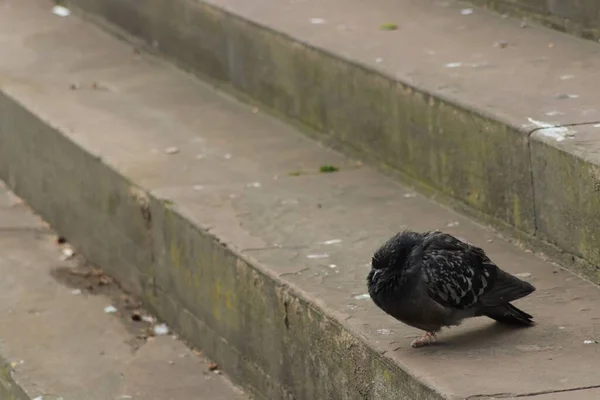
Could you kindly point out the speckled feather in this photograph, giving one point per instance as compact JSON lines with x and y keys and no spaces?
{"x":433,"y":279}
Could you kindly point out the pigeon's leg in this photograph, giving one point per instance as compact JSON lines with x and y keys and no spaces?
{"x":426,"y":339}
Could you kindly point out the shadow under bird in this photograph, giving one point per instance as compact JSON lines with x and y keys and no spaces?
{"x":432,"y":280}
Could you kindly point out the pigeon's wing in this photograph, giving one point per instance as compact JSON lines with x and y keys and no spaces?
{"x":460,"y":275}
{"x":457,"y":279}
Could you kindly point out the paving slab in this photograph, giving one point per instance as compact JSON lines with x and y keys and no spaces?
{"x":57,"y":341}
{"x":217,"y":216}
{"x":448,"y":97}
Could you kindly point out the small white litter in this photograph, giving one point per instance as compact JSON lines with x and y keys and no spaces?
{"x":171,"y":150}
{"x":61,"y":12}
{"x":317,"y":256}
{"x":362,"y":296}
{"x":67,"y":253}
{"x":317,"y":21}
{"x":161,"y":329}
{"x":110,"y":309}
{"x":333,"y":241}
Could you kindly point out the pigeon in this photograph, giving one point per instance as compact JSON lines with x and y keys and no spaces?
{"x":432,"y":280}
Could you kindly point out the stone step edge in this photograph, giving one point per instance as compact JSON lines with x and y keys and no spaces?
{"x":519,"y":222}
{"x":293,"y":317}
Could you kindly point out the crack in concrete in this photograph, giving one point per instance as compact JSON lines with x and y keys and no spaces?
{"x":295,"y":272}
{"x":507,"y":395}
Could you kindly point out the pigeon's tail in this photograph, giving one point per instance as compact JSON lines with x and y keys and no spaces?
{"x":509,"y":314}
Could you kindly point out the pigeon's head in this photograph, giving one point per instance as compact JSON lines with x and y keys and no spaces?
{"x":395,"y":254}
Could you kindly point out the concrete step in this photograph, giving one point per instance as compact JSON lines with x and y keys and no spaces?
{"x":58,"y":343}
{"x":497,"y":120}
{"x":575,"y":17}
{"x":218,"y":216}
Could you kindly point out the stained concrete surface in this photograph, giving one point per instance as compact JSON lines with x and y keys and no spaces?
{"x":253,"y":182}
{"x":61,"y":343}
{"x":450,"y":99}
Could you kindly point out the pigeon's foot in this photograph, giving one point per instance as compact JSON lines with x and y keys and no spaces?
{"x":427,"y":339}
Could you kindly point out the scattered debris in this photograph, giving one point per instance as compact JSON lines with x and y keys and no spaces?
{"x":213,"y":367}
{"x":466,"y":11}
{"x":136,"y":316}
{"x":590,"y":342}
{"x":554,"y":113}
{"x":409,"y":195}
{"x":523,"y":275}
{"x":110,"y":309}
{"x":317,"y":21}
{"x":326,"y":169}
{"x":317,"y":256}
{"x":501,"y":44}
{"x":453,"y":224}
{"x":171,"y":150}
{"x":61,"y":11}
{"x":332,"y":266}
{"x":362,"y":296}
{"x":104,"y":280}
{"x":76,"y":291}
{"x":148,"y":318}
{"x":67,"y":253}
{"x":384,"y":331}
{"x":333,"y":241}
{"x":388,"y":27}
{"x":254,"y":184}
{"x":61,"y":240}
{"x":160,"y":330}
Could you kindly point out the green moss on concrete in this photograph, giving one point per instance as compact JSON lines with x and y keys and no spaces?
{"x":568,"y":204}
{"x":247,"y":319}
{"x":9,"y":389}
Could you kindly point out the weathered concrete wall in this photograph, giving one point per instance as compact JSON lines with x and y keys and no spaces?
{"x":578,"y":17}
{"x":567,"y":187}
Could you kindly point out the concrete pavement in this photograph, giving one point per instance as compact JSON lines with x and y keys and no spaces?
{"x":57,"y":341}
{"x":218,"y":216}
